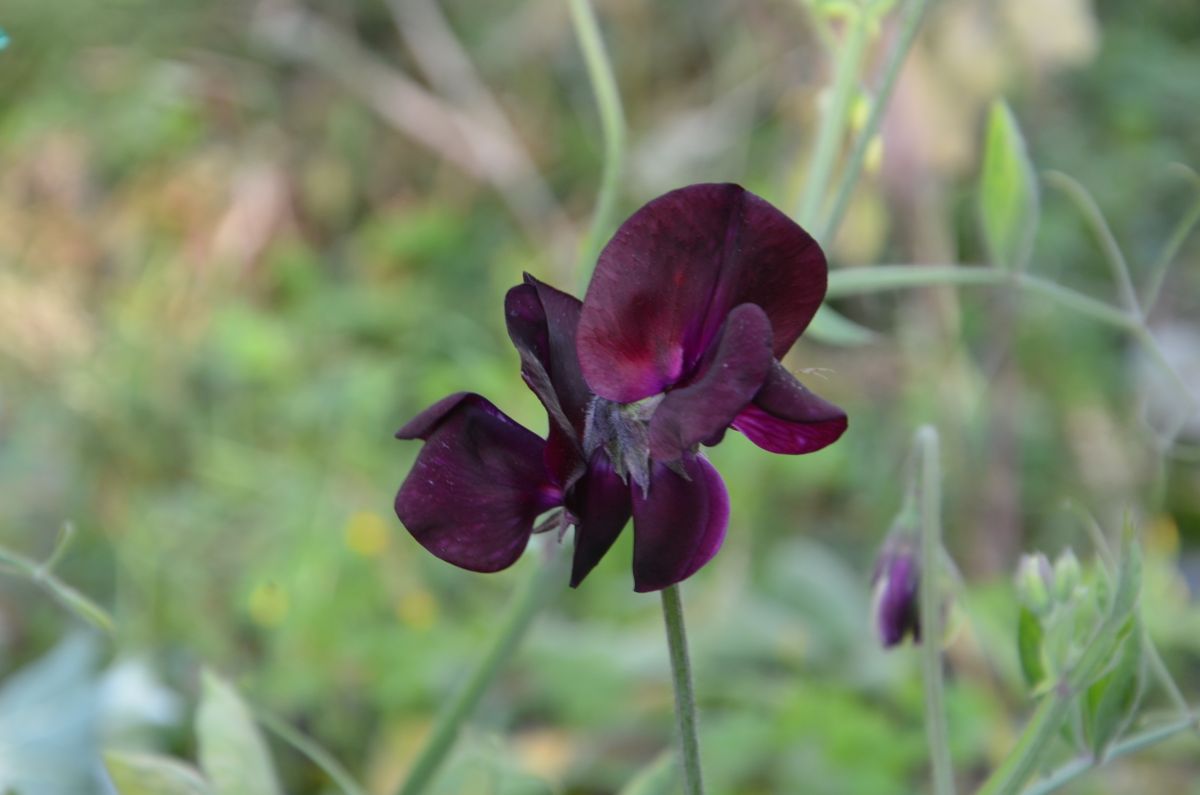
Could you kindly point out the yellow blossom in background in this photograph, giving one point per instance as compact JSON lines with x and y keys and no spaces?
{"x":269,"y":604}
{"x":367,"y":534}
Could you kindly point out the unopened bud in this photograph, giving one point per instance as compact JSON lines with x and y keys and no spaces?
{"x":1067,"y":575}
{"x":897,"y":582}
{"x":1034,"y":582}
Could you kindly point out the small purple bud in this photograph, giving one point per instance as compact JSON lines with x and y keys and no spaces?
{"x":897,"y":581}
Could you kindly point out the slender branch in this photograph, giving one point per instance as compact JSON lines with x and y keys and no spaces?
{"x":312,"y":750}
{"x":612,"y":128}
{"x":914,"y":15}
{"x":1158,"y":271}
{"x":526,"y":604}
{"x":833,"y":121}
{"x":1134,"y":743}
{"x":685,"y":698}
{"x":1108,"y":243}
{"x":857,"y":281}
{"x":931,"y":610}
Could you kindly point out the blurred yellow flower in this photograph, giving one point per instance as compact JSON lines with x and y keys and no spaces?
{"x":367,"y":534}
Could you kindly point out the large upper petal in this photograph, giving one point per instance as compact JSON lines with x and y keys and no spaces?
{"x":671,"y":274}
{"x":788,"y":417}
{"x":731,"y":375}
{"x":679,"y":524}
{"x":477,"y":485}
{"x":600,"y":503}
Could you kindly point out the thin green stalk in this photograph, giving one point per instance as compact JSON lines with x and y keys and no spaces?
{"x":1108,"y":243}
{"x":612,"y":128}
{"x":685,"y":697}
{"x":833,"y":121}
{"x":915,"y":14}
{"x":1077,"y":767}
{"x":1158,"y":271}
{"x":857,"y":281}
{"x":526,"y":604}
{"x":931,"y":610}
{"x":311,"y":749}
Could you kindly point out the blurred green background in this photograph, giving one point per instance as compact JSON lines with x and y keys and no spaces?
{"x":242,"y":242}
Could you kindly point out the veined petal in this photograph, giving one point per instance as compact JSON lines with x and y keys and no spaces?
{"x":787,"y":417}
{"x":679,"y":524}
{"x":739,"y":360}
{"x":671,"y":274}
{"x":541,"y":324}
{"x":601,"y":504}
{"x":477,"y":485}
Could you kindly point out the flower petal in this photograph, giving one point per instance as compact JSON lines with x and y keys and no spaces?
{"x":787,"y":417}
{"x":601,"y":505}
{"x":738,"y":363}
{"x":541,"y":324}
{"x":897,"y":611}
{"x":671,"y":274}
{"x":477,"y":485}
{"x":679,"y":524}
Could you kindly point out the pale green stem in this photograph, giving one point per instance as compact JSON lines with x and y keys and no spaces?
{"x":858,"y":281}
{"x":612,"y":128}
{"x":1077,"y":767}
{"x":311,"y":749}
{"x":526,"y":604}
{"x":685,"y":697}
{"x":1158,"y":271}
{"x":931,"y":610}
{"x":42,"y":576}
{"x":1108,"y":243}
{"x":915,"y":14}
{"x":833,"y":121}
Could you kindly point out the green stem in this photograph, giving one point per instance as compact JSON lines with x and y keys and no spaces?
{"x":859,"y":281}
{"x":612,"y":128}
{"x":833,"y":121}
{"x":1076,"y":768}
{"x":891,"y":70}
{"x":528,"y":601}
{"x":931,"y":610}
{"x":685,"y":698}
{"x":311,"y":749}
{"x":1108,"y":243}
{"x":1158,"y":271}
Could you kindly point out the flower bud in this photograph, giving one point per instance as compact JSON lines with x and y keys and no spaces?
{"x":1067,"y":575}
{"x":897,"y":581}
{"x":1034,"y":582}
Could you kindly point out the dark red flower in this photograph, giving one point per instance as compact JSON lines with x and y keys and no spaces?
{"x":692,"y":302}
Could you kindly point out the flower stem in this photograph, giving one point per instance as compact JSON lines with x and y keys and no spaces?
{"x":1077,"y":767}
{"x":833,"y":121}
{"x":908,"y":33}
{"x":526,"y":604}
{"x":685,"y":698}
{"x":931,"y":610}
{"x":612,"y":128}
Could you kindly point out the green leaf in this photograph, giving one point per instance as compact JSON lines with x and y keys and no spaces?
{"x":1110,"y":702}
{"x":1029,"y":648}
{"x":233,"y":753}
{"x":1008,"y":192}
{"x":147,"y":774}
{"x":656,"y":778}
{"x":832,"y":328}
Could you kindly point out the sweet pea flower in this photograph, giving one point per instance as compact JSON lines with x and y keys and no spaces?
{"x":678,"y":338}
{"x":897,"y":581}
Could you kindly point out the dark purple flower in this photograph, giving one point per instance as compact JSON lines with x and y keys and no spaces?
{"x":897,"y":582}
{"x":692,"y":302}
